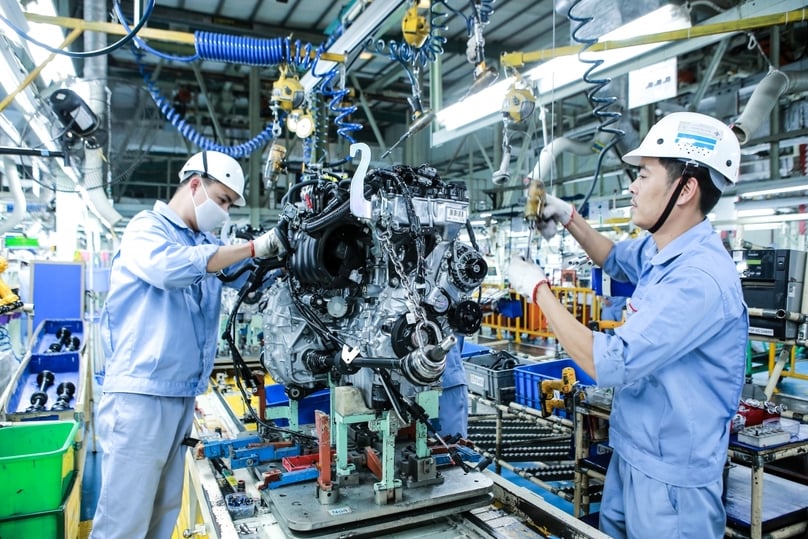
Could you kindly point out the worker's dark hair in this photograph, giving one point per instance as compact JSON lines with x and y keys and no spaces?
{"x":207,"y":179}
{"x":709,"y":192}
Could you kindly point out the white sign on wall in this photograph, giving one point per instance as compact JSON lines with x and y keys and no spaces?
{"x":653,"y":83}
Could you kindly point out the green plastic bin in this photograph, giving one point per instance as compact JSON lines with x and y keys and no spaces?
{"x":62,"y":522}
{"x":37,"y":464}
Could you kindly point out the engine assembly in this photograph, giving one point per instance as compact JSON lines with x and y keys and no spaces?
{"x":384,"y":292}
{"x":376,"y":284}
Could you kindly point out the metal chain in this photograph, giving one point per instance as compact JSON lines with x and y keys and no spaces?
{"x":752,"y":44}
{"x":413,"y":297}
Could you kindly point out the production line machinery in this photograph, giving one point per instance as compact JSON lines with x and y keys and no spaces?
{"x":365,"y":302}
{"x":375,"y":283}
{"x":773,"y":283}
{"x":230,"y":478}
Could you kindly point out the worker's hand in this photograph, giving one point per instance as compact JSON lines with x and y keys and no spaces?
{"x":269,"y":244}
{"x":525,"y":276}
{"x":557,"y":210}
{"x":547,"y":229}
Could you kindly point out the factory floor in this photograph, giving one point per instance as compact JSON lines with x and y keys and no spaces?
{"x":790,"y":390}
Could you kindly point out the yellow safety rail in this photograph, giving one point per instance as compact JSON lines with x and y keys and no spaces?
{"x":582,"y":303}
{"x":519,"y":59}
{"x":791,"y":370}
{"x":169,"y":36}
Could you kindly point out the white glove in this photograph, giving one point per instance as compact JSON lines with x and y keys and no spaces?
{"x":557,"y":210}
{"x":269,"y":244}
{"x":524,"y":277}
{"x":547,"y":229}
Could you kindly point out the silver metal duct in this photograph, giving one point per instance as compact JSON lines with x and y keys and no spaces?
{"x":96,"y":171}
{"x":20,"y":205}
{"x":764,"y":98}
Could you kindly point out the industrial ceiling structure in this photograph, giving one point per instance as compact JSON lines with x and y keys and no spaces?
{"x":490,"y":88}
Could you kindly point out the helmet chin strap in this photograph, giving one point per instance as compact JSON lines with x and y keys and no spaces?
{"x":669,"y":208}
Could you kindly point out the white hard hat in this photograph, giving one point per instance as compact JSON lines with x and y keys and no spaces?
{"x":691,"y":136}
{"x":216,"y":166}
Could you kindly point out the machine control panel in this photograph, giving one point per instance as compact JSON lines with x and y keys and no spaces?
{"x":772,"y":279}
{"x":768,"y":264}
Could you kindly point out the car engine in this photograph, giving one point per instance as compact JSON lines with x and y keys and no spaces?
{"x":376,"y":283}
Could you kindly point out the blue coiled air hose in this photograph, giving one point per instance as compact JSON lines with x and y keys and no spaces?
{"x":186,"y":130}
{"x":600,"y":103}
{"x":331,"y":89}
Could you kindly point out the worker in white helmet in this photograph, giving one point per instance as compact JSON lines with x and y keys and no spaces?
{"x":677,"y":363}
{"x":160,"y":327}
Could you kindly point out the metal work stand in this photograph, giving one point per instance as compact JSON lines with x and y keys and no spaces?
{"x":756,"y":458}
{"x":583,"y":470}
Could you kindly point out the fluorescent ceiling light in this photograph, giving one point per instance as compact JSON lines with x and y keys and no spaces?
{"x":755,"y":212}
{"x":775,"y":191}
{"x":664,"y":19}
{"x":362,"y":26}
{"x":477,"y":105}
{"x":10,"y":78}
{"x":8,"y":128}
{"x":762,"y":226}
{"x":61,"y":66}
{"x":560,"y":71}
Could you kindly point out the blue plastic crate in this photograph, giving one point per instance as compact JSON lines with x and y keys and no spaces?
{"x":473,"y":349}
{"x":528,"y":379}
{"x":319,"y":400}
{"x":614,"y":288}
{"x":65,"y":368}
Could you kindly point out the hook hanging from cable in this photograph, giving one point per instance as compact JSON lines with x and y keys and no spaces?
{"x":484,"y":75}
{"x":518,"y":106}
{"x":753,"y":43}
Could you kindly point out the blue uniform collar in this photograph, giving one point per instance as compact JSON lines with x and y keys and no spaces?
{"x":165,"y":210}
{"x":693,"y":236}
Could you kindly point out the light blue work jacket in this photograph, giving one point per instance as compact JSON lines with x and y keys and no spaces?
{"x":455,"y":373}
{"x":677,"y":364}
{"x":160,"y":323}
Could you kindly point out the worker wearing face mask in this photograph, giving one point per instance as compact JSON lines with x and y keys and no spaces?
{"x":677,"y":363}
{"x":160,"y":327}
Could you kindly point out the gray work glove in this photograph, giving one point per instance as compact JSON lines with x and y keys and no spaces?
{"x":269,"y":244}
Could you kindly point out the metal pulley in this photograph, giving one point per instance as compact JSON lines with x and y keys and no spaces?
{"x":300,"y":122}
{"x":519,"y":102}
{"x":415,"y":25}
{"x":287,"y":92}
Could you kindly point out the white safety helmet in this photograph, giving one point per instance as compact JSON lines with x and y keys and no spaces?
{"x":691,"y":136}
{"x":216,"y":166}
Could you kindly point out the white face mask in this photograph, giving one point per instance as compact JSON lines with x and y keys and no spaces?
{"x":209,"y":215}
